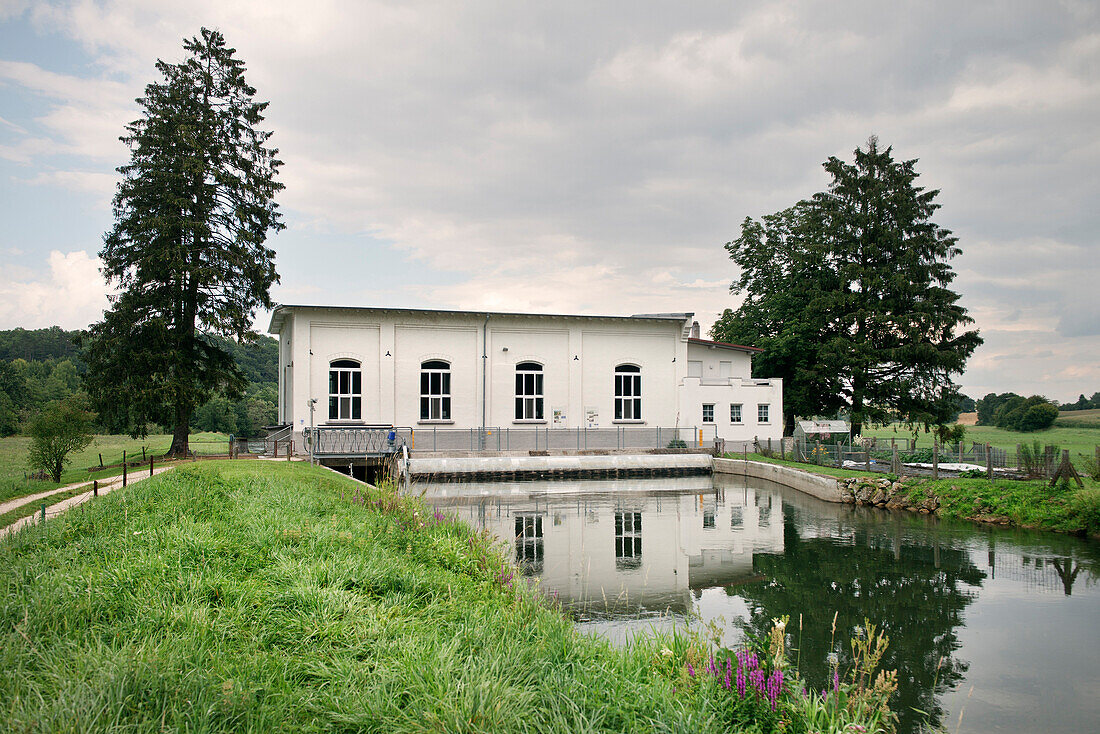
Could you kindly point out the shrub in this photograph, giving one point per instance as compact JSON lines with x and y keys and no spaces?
{"x":1084,"y":507}
{"x":1030,"y":414}
{"x":1038,"y":417}
{"x":677,"y":443}
{"x":1035,"y":459}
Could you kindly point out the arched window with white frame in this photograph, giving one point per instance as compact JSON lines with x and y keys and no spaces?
{"x":529,"y":394}
{"x":345,"y":390}
{"x":435,"y":390}
{"x":628,"y":392}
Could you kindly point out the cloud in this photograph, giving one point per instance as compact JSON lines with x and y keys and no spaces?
{"x":86,"y":181}
{"x":576,"y":158}
{"x":71,"y":296}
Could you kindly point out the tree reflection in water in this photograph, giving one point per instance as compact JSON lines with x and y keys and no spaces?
{"x":915,"y":593}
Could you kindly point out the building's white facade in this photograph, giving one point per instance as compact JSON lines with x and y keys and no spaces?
{"x":463,"y":369}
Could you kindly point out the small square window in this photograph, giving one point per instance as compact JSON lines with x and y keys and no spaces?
{"x":735,"y":412}
{"x":762,"y":412}
{"x":708,"y":412}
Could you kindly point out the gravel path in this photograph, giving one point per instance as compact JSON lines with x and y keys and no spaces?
{"x":105,"y":486}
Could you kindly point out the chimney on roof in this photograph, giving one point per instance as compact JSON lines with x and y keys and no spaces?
{"x":694,"y":329}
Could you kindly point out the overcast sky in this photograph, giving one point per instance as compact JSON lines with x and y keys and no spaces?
{"x":585,"y":157}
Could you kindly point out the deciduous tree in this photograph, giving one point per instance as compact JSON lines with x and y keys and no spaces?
{"x":63,"y":428}
{"x":192,"y":215}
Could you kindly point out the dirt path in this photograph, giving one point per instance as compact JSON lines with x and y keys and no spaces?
{"x":105,"y":486}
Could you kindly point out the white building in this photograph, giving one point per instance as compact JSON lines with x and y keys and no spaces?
{"x":469,"y":369}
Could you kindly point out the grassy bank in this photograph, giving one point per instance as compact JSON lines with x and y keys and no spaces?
{"x":14,"y":450}
{"x":1035,"y":504}
{"x":1032,"y":504}
{"x":234,"y":596}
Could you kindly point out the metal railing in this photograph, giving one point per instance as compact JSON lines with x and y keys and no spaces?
{"x":347,"y":442}
{"x":537,"y":438}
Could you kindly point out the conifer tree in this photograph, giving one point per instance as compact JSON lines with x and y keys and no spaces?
{"x":187,"y":250}
{"x":850,"y":291}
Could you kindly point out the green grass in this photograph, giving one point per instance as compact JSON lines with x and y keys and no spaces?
{"x":1079,"y":441}
{"x":1089,"y":419}
{"x":261,"y":596}
{"x":14,"y":451}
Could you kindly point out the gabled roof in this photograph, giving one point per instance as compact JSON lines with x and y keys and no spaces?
{"x":724,"y":345}
{"x":278,"y":315}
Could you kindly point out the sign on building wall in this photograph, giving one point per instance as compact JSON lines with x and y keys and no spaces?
{"x":559,"y":417}
{"x":592,"y":417}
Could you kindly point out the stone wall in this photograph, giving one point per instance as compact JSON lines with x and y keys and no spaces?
{"x":882,"y":492}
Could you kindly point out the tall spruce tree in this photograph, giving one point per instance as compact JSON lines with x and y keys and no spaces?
{"x":850,"y":293}
{"x":187,"y":250}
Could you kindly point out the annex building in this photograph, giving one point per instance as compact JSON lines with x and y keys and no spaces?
{"x":439,"y":370}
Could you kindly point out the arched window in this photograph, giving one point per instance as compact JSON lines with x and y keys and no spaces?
{"x":435,"y":390}
{"x":528,"y":391}
{"x":345,"y":390}
{"x":628,"y":393}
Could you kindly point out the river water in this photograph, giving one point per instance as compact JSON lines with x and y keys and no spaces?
{"x":998,"y":626}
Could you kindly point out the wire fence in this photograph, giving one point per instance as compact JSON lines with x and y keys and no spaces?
{"x":1028,"y":461}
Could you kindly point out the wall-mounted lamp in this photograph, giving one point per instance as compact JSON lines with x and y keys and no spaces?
{"x":504,"y":349}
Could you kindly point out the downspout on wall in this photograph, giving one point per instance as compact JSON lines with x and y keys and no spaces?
{"x":484,"y":371}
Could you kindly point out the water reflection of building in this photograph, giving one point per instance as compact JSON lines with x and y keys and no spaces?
{"x":617,"y":546}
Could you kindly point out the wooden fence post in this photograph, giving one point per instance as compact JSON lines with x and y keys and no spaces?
{"x":988,"y":463}
{"x":895,"y":465}
{"x":143,"y":457}
{"x":866,"y":458}
{"x":124,"y":467}
{"x":101,"y":461}
{"x":95,"y":487}
{"x":935,"y":459}
{"x":150,"y":466}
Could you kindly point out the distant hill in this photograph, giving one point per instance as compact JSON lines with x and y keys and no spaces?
{"x":36,"y":345}
{"x":1078,"y":419}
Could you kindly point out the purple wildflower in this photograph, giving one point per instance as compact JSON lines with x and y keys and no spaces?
{"x":836,"y":682}
{"x":691,"y":671}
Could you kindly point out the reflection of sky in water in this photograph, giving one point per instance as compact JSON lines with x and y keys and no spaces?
{"x":629,"y":556}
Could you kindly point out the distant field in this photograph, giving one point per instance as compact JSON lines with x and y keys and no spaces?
{"x":1078,"y":419}
{"x":14,"y":449}
{"x":1077,"y":440}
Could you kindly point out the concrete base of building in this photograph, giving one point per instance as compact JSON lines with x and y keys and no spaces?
{"x":561,"y":466}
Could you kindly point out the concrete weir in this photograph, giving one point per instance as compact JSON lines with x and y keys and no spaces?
{"x":820,"y":486}
{"x":610,"y":466}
